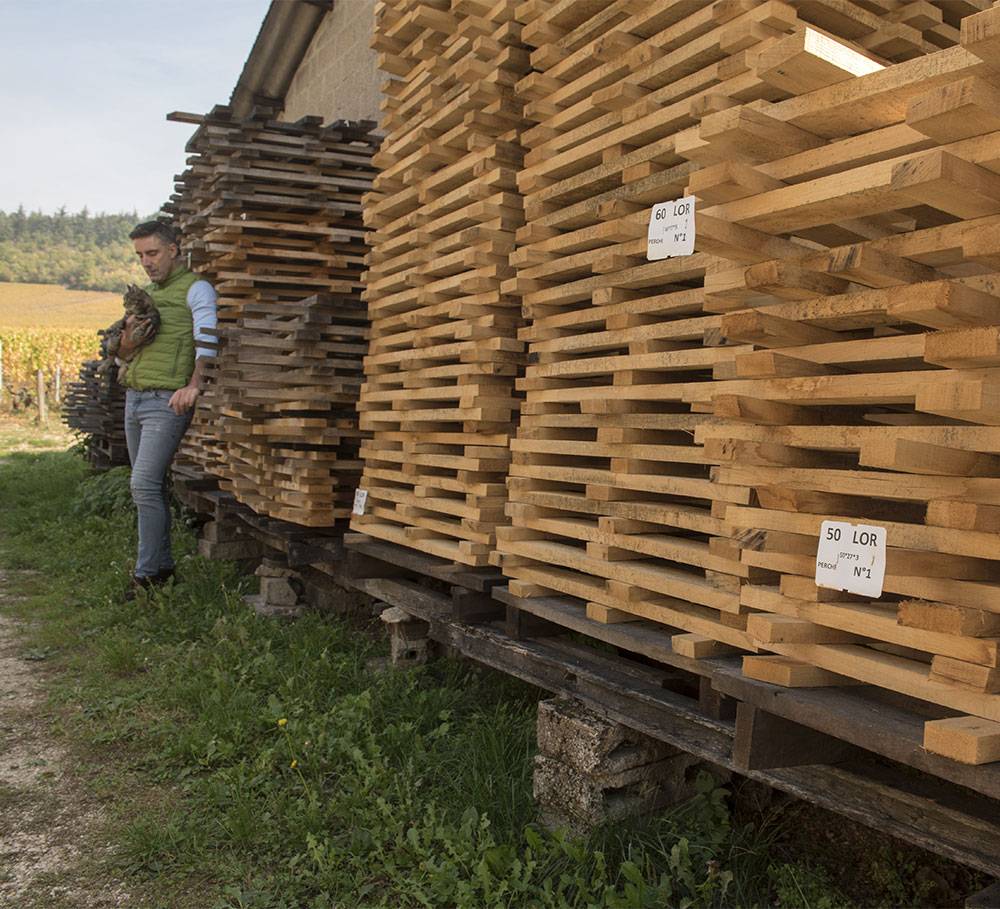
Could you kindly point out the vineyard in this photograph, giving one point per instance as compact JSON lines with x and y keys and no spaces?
{"x":26,"y":351}
{"x":50,"y":328}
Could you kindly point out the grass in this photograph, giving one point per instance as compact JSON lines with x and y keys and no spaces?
{"x":257,"y":763}
{"x":50,"y":307}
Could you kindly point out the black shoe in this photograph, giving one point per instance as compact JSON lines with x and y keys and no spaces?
{"x":147,"y":583}
{"x":135,"y":583}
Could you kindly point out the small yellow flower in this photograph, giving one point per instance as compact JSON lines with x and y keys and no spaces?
{"x":294,"y":764}
{"x":282,"y":721}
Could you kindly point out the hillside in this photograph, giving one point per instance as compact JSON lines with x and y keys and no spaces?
{"x":77,"y":251}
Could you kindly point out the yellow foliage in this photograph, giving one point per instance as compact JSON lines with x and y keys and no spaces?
{"x":45,"y":326}
{"x":24,"y":352}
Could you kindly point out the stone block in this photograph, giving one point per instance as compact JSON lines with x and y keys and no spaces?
{"x":278,"y":591}
{"x":256,"y":602}
{"x":591,"y":769}
{"x":272,"y":568}
{"x":408,"y":642}
{"x":567,"y":797}
{"x":580,"y":738}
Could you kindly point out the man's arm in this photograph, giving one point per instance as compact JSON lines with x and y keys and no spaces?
{"x":201,"y":301}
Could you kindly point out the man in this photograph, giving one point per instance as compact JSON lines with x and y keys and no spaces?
{"x":163,"y":379}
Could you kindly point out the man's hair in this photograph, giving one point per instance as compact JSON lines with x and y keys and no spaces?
{"x":160,"y":229}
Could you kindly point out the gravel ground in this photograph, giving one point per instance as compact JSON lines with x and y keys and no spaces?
{"x":52,"y":845}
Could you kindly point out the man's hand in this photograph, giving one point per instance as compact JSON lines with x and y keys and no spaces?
{"x":135,"y":334}
{"x":182,"y":400}
{"x":126,"y":346}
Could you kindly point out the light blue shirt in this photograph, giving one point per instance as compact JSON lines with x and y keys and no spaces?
{"x":201,"y":299}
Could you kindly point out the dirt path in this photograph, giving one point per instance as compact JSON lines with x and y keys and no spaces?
{"x":51,"y":843}
{"x":20,"y":432}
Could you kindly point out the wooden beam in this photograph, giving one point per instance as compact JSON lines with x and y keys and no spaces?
{"x":763,"y":740}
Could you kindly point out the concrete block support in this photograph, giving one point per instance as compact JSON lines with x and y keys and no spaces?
{"x":219,"y":532}
{"x":278,"y":592}
{"x":227,"y":540}
{"x":280,"y":589}
{"x":590,"y":769}
{"x":409,"y":644}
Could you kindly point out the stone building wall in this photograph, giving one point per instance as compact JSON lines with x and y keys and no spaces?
{"x":339,"y":78}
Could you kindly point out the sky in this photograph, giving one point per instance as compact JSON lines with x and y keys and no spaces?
{"x":85,"y":87}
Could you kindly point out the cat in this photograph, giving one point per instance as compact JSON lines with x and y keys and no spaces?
{"x":146,"y":324}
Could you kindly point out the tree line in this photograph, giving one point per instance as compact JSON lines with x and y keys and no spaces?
{"x":80,"y":251}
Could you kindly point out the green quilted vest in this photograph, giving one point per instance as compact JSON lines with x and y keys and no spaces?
{"x":168,"y":360}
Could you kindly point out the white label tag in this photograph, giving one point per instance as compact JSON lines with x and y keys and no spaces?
{"x":360,"y":497}
{"x":671,"y":229}
{"x":851,"y":557}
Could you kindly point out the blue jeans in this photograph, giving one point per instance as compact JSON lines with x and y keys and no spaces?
{"x":153,"y":432}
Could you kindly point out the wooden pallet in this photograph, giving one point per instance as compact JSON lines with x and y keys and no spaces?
{"x":400,"y":576}
{"x":863,"y":716}
{"x":855,"y":751}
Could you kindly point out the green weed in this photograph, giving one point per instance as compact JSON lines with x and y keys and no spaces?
{"x":104,"y":494}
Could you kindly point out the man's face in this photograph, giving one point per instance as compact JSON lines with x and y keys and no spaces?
{"x":159,"y":259}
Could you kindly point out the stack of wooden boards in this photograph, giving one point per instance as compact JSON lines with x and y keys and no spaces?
{"x":439,"y":397}
{"x":94,"y":408}
{"x":287,"y":383}
{"x":868,"y":397}
{"x":272,"y":214}
{"x":829,"y":351}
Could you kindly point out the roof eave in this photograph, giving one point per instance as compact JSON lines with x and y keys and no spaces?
{"x":284,"y":36}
